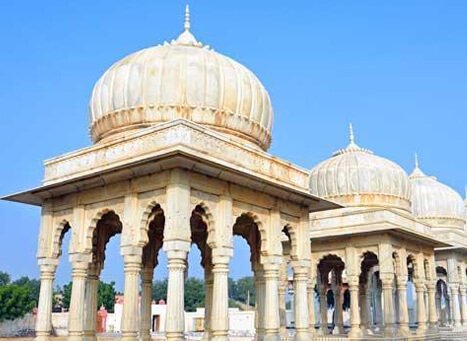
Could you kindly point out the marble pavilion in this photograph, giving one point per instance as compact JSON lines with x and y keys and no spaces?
{"x":179,"y":157}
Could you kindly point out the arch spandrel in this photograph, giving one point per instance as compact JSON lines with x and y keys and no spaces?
{"x":92,"y":217}
{"x":210,"y":205}
{"x":147,"y":202}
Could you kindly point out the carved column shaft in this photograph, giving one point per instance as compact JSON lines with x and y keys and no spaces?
{"x":44,"y":311}
{"x":454,"y":289}
{"x":76,"y":313}
{"x":271,"y":304}
{"x":132,"y":267}
{"x":301,"y":303}
{"x":220,"y":301}
{"x":146,"y":302}
{"x":403,"y":307}
{"x":92,"y":287}
{"x":463,"y":293}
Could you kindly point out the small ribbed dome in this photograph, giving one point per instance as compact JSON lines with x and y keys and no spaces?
{"x":434,"y":202}
{"x":356,"y":177}
{"x":181,"y":79}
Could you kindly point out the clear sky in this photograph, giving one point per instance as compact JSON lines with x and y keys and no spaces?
{"x":397,"y":69}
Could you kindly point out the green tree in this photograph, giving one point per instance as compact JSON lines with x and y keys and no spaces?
{"x":33,"y":285}
{"x":159,"y":290}
{"x":245,"y":286}
{"x":4,"y":278}
{"x":194,"y":294}
{"x":106,"y":296}
{"x":14,"y":301}
{"x":67,"y":295}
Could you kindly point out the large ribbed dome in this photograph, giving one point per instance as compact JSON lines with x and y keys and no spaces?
{"x":434,"y":202}
{"x":181,"y":79}
{"x":356,"y":177}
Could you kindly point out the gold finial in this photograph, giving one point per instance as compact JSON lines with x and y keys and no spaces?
{"x":187,"y":23}
{"x":351,"y":134}
{"x":416,"y":161}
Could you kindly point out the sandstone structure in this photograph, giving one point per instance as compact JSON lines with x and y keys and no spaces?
{"x":180,"y":136}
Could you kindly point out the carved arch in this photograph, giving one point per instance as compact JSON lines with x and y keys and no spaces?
{"x":263,"y":239}
{"x":59,"y":233}
{"x":152,"y":209}
{"x":91,"y":227}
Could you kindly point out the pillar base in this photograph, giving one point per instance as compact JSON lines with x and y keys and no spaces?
{"x":174,"y":336}
{"x":89,"y":336}
{"x":272,"y":337}
{"x":355,"y":332}
{"x":302,"y":336}
{"x":42,"y":336}
{"x":129,"y":337}
{"x":73,"y":336}
{"x":145,"y":336}
{"x":220,"y":338}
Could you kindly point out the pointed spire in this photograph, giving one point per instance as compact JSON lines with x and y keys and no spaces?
{"x":352,"y":146}
{"x":351,"y":134}
{"x":186,"y":37}
{"x":417,"y":172}
{"x":187,"y":24}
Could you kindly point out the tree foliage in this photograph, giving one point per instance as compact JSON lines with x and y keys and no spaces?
{"x":105,"y":295}
{"x":194,"y":294}
{"x":4,"y":278}
{"x":15,"y":301}
{"x":240,"y":289}
{"x":159,"y":290}
{"x":33,"y":285}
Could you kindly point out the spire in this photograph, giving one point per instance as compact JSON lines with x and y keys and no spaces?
{"x":187,"y":24}
{"x":187,"y":38}
{"x":417,"y":172}
{"x":352,"y":146}
{"x":351,"y":134}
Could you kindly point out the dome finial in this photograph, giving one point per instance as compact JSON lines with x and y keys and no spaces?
{"x":187,"y":23}
{"x":187,"y":38}
{"x":417,"y":164}
{"x":351,"y":134}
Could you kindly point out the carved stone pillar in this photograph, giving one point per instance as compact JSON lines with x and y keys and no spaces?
{"x":323,"y":308}
{"x":338,"y":313}
{"x":271,"y":303}
{"x":367,"y":303}
{"x":76,"y":313}
{"x":146,"y":303}
{"x":44,"y":311}
{"x":432,"y":313}
{"x":282,"y":300}
{"x":260,"y":289}
{"x":355,"y":330}
{"x":311,"y":305}
{"x":208,"y":280}
{"x":175,"y":318}
{"x":454,"y":290}
{"x":132,"y":267}
{"x":90,"y":314}
{"x":403,"y":307}
{"x":387,"y":281}
{"x":421,"y":311}
{"x":220,"y":300}
{"x":302,"y":323}
{"x":463,"y":292}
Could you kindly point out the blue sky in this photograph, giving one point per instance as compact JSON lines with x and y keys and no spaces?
{"x":397,"y":69}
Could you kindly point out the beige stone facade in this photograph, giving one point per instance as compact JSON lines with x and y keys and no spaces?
{"x":180,"y":158}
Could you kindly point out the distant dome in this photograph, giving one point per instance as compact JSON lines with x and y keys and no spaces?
{"x":356,"y":177}
{"x":181,"y":79}
{"x":434,"y":202}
